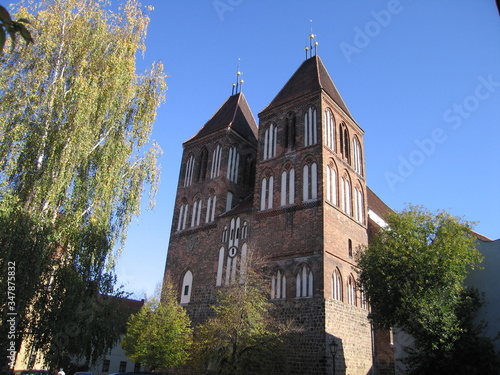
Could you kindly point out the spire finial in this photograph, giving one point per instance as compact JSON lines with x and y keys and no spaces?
{"x":312,"y":49}
{"x":237,"y":85}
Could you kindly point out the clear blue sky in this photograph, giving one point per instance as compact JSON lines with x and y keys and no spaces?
{"x":422,"y":78}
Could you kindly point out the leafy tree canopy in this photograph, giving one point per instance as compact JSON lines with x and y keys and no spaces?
{"x":75,"y":160}
{"x":160,"y":334}
{"x":413,"y":274}
{"x":244,"y":336}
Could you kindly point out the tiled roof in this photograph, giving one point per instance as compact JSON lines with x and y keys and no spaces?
{"x":376,"y":204}
{"x":311,"y":76}
{"x":234,"y":114}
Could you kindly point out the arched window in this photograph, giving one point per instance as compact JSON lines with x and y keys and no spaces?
{"x":211,"y":202}
{"x":304,"y":283}
{"x":183,"y":212}
{"x":187,"y":284}
{"x":244,"y":230}
{"x":337,"y":289}
{"x":364,"y":301}
{"x":234,"y":232}
{"x":310,"y":127}
{"x":331,"y":184}
{"x":329,"y":130}
{"x":188,"y":173}
{"x":288,"y":187}
{"x":224,"y":234}
{"x":229,"y":201}
{"x":196,"y":216}
{"x":351,"y":291}
{"x":359,"y":206}
{"x":310,"y":182}
{"x":233,"y":165}
{"x":202,"y":168}
{"x":270,"y":142}
{"x":266,"y":193}
{"x":278,"y":285}
{"x":216,"y":159}
{"x":346,"y":195}
{"x":344,"y":142}
{"x":220,"y":265}
{"x":357,"y":155}
{"x":289,"y":136}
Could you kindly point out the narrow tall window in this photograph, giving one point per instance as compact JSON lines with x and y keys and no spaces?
{"x":210,"y":215}
{"x":304,"y":283}
{"x":288,"y":187}
{"x":234,"y":231}
{"x":289,"y":133}
{"x":233,"y":165}
{"x":187,"y":283}
{"x":357,"y":155}
{"x":224,"y":234}
{"x":359,"y":209}
{"x":216,"y":158}
{"x":244,"y":231}
{"x":220,"y":265}
{"x":349,"y":248}
{"x":278,"y":285}
{"x":346,"y":196}
{"x":183,"y":211}
{"x":310,"y":182}
{"x":196,"y":216}
{"x":337,"y":285}
{"x":229,"y":201}
{"x":202,"y":168}
{"x":188,"y":174}
{"x":266,"y":193}
{"x":331,"y":184}
{"x":344,"y":142}
{"x":329,"y":130}
{"x":351,"y":291}
{"x":270,"y":142}
{"x":310,"y":128}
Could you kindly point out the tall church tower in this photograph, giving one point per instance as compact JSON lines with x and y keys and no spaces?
{"x":311,"y":191}
{"x":294,"y":191}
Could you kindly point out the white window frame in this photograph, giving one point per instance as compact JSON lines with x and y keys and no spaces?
{"x":329,"y":130}
{"x":310,"y":127}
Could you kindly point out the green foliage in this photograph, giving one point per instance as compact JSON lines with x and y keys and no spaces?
{"x":159,"y":335}
{"x":243,"y":336}
{"x":75,"y":160}
{"x":413,"y":274}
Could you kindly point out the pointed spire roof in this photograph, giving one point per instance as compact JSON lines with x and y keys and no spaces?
{"x":234,"y":114}
{"x":311,"y":76}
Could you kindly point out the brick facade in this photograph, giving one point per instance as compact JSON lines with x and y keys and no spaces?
{"x":297,"y":196}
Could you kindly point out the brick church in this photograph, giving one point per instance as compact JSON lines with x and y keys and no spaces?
{"x":292,"y":189}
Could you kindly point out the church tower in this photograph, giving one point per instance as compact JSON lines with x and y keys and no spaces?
{"x":217,"y":173}
{"x":294,"y":191}
{"x":311,"y":191}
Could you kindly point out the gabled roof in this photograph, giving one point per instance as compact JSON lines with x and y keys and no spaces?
{"x":234,"y":114}
{"x":311,"y":76}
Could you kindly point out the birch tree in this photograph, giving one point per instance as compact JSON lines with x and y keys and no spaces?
{"x":75,"y":159}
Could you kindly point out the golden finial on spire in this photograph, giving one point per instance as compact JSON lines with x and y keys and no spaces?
{"x":239,"y":82}
{"x":313,"y":45}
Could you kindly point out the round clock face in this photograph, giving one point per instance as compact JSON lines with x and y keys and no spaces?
{"x":232,"y":251}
